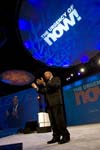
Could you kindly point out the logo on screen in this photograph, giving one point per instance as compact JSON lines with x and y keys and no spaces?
{"x":64,"y":23}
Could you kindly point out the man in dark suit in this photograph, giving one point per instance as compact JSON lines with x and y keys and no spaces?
{"x":14,"y":114}
{"x":52,"y":89}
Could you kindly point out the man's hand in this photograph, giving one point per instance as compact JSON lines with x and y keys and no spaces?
{"x":15,"y":113}
{"x":34,"y":85}
{"x":38,"y":97}
{"x":40,"y":81}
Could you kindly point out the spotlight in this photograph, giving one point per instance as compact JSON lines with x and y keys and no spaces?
{"x":99,"y":61}
{"x":82,"y":70}
{"x":68,"y":78}
{"x":72,"y":75}
{"x":78,"y":73}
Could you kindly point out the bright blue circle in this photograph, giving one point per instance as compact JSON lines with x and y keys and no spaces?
{"x":73,"y":25}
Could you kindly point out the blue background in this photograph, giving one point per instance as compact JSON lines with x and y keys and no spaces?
{"x":84,"y":112}
{"x":29,"y":102}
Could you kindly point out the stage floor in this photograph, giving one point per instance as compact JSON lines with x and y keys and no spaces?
{"x":84,"y":137}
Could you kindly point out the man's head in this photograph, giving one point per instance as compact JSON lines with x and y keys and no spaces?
{"x":48,"y":75}
{"x":15,"y":100}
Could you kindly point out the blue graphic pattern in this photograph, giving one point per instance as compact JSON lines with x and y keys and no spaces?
{"x":78,"y":44}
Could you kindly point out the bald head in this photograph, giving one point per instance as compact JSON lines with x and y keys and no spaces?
{"x":48,"y":75}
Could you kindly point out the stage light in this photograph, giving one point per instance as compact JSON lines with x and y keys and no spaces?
{"x":82,"y":70}
{"x":84,"y":59}
{"x":72,"y":75}
{"x":17,"y":77}
{"x":24,"y":25}
{"x":68,"y":78}
{"x":78,"y":73}
{"x":99,"y":61}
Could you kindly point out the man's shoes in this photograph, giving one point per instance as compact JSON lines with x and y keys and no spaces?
{"x":64,"y":140}
{"x":54,"y":140}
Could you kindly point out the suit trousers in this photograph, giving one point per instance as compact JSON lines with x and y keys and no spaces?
{"x":57,"y":120}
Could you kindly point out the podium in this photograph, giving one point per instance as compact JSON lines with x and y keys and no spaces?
{"x":43,"y":122}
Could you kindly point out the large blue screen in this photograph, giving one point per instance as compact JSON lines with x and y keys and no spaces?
{"x":82,"y":101}
{"x":28,"y":108}
{"x":60,"y":32}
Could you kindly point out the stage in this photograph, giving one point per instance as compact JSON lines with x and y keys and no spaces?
{"x":83,"y":137}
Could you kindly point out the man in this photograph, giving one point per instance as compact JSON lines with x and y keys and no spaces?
{"x":52,"y":89}
{"x":14,"y":114}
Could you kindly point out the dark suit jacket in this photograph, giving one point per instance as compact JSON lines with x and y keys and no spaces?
{"x":15,"y":121}
{"x":52,"y":91}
